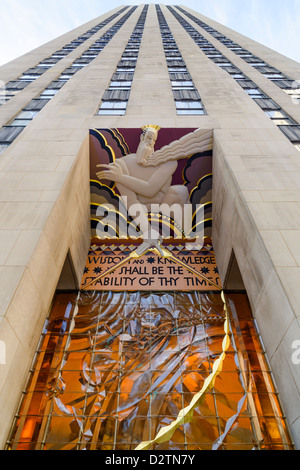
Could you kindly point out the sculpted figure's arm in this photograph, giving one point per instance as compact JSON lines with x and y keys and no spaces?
{"x":145,"y":188}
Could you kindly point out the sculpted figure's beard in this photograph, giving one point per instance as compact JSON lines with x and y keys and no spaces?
{"x":143,"y":152}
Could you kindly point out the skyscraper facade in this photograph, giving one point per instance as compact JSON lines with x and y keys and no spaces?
{"x":107,"y":332}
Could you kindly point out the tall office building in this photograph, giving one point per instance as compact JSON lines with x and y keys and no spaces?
{"x":106,"y":336}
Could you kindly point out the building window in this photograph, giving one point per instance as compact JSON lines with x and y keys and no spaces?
{"x":184,"y":76}
{"x":232,"y":70}
{"x":35,"y":105}
{"x":189,"y":95}
{"x":23,"y":118}
{"x":56,"y":85}
{"x":28,"y":77}
{"x":82,"y":61}
{"x":16,"y":85}
{"x":20,"y":122}
{"x":273,"y":76}
{"x":59,"y":55}
{"x":35,"y":71}
{"x":48,"y":93}
{"x":123,"y":76}
{"x":27,"y":114}
{"x":247,"y":84}
{"x":213,"y":55}
{"x":261,"y":66}
{"x":221,"y":60}
{"x":178,"y":85}
{"x":267,"y":104}
{"x":286,"y":84}
{"x":279,"y":117}
{"x":122,"y":85}
{"x":48,"y":62}
{"x":116,"y":95}
{"x":255,"y":93}
{"x":252,"y":60}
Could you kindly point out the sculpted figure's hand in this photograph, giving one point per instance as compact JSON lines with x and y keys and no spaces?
{"x":113,"y":172}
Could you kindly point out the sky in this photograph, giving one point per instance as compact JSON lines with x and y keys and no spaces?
{"x":27,"y":24}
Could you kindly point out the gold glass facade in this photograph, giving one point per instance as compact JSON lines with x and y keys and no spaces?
{"x":112,"y":369}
